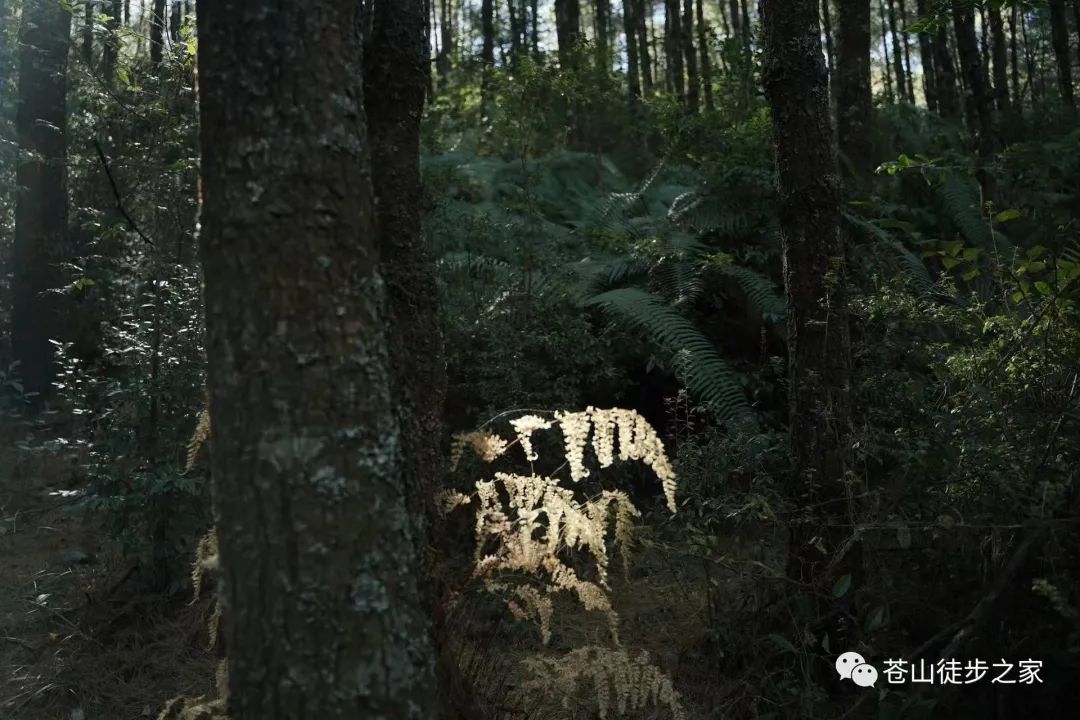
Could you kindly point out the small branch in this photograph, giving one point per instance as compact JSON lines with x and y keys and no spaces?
{"x":116,"y":194}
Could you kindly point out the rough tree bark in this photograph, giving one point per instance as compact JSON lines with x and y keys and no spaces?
{"x":318,"y":565}
{"x":819,"y":352}
{"x":41,"y":206}
{"x":1059,"y":37}
{"x":693,"y":80}
{"x":854,"y":97}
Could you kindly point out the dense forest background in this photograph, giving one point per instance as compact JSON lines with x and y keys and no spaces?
{"x":785,"y":293}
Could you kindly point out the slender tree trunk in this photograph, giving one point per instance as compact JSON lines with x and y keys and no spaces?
{"x":902,"y":27}
{"x":736,"y":19}
{"x":1076,"y":22}
{"x":747,"y":28}
{"x":948,"y":101}
{"x":633,"y":77}
{"x":88,"y":33}
{"x":929,"y":65}
{"x":534,"y":28}
{"x":645,"y":54}
{"x":176,"y":19}
{"x":487,"y":31}
{"x":693,"y":80}
{"x":567,"y":28}
{"x":41,"y":205}
{"x":1029,"y":61}
{"x":157,"y":32}
{"x":1059,"y":36}
{"x":1000,"y":56}
{"x":898,"y":56}
{"x":819,"y":349}
{"x":830,"y":54}
{"x":602,"y":23}
{"x":887,"y":75}
{"x":706,"y":55}
{"x":1014,"y":59}
{"x":854,"y":97}
{"x":394,"y":69}
{"x":322,"y":613}
{"x":673,"y":49}
{"x":976,"y":103}
{"x":111,"y":51}
{"x":517,"y":29}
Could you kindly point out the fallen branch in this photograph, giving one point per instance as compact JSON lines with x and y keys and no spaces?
{"x":116,"y":194}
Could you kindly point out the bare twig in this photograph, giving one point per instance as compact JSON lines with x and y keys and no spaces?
{"x":116,"y":194}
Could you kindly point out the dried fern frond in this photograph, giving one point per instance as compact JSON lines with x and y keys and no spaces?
{"x":622,"y":683}
{"x":525,"y":426}
{"x":206,"y":561}
{"x":198,"y":439}
{"x":487,"y":445}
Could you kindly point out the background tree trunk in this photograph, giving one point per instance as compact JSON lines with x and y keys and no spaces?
{"x":157,"y":31}
{"x":887,"y":75}
{"x":88,"y":32}
{"x":602,"y":24}
{"x":854,"y":98}
{"x":633,"y":76}
{"x":929,"y":65}
{"x":830,"y":53}
{"x":1014,"y":58}
{"x":693,"y":80}
{"x":1059,"y":37}
{"x":948,"y":101}
{"x":41,"y":206}
{"x":898,"y":56}
{"x":567,"y":28}
{"x":394,"y":66}
{"x":901,"y":27}
{"x":706,"y":55}
{"x":1000,"y":56}
{"x":111,"y":52}
{"x":645,"y":54}
{"x":819,"y":352}
{"x":976,"y":103}
{"x":673,"y":49}
{"x":322,"y":616}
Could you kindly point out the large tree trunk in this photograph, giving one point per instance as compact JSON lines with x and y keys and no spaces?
{"x":89,"y":11}
{"x":1059,"y":36}
{"x":487,"y":45}
{"x":976,"y":101}
{"x":693,"y":80}
{"x":1000,"y":56}
{"x":567,"y":28}
{"x":819,"y":352}
{"x":673,"y":49}
{"x":706,"y":55}
{"x":41,"y":206}
{"x":633,"y":72}
{"x":929,"y":64}
{"x":854,"y":98}
{"x":830,"y":53}
{"x":157,"y":31}
{"x":319,"y":569}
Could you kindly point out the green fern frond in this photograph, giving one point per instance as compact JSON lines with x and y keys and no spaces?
{"x":707,"y":375}
{"x":960,"y":199}
{"x":911,"y":264}
{"x":760,"y":291}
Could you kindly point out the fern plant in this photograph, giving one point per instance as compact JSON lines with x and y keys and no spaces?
{"x":529,"y":527}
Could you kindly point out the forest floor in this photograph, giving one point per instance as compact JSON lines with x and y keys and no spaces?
{"x":75,"y":643}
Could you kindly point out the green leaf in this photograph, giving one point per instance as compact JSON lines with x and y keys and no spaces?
{"x":1044,"y":288}
{"x":1007,"y":215}
{"x":842,"y":586}
{"x":875,"y":620}
{"x":783,"y":643}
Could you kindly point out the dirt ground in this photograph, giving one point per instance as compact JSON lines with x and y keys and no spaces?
{"x":77,"y":639}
